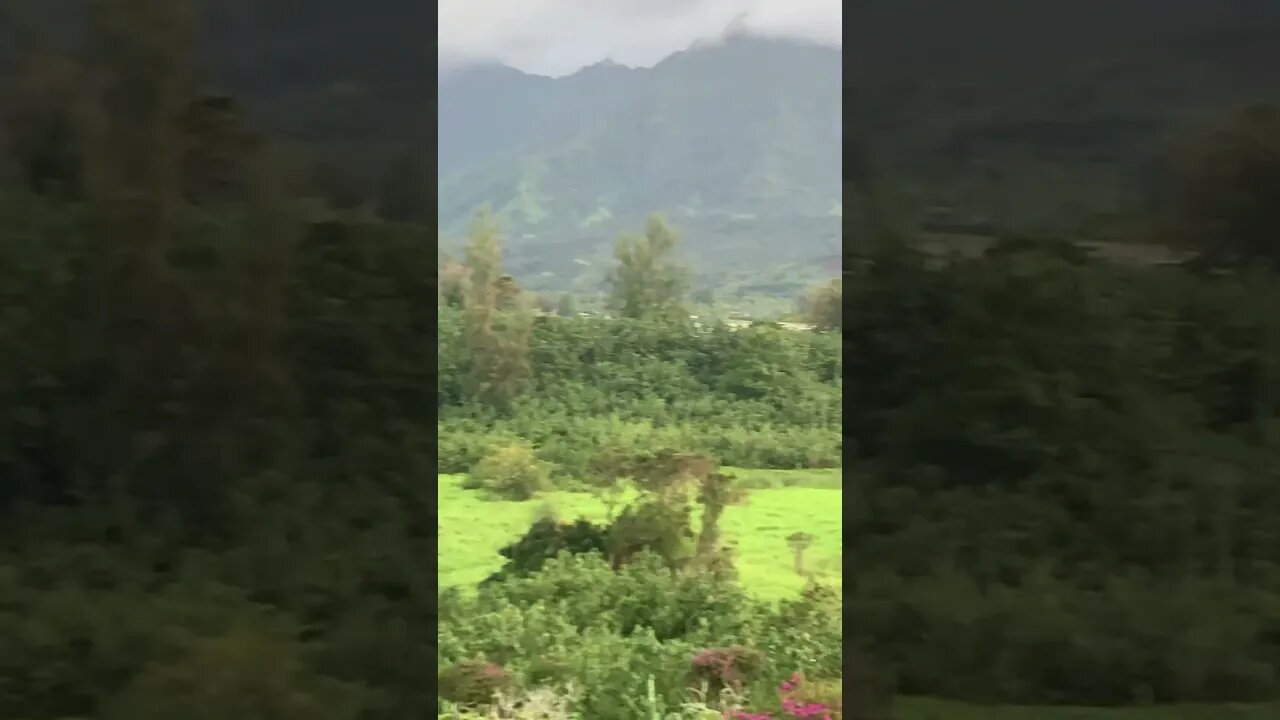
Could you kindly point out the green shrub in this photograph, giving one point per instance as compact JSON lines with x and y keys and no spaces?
{"x":241,"y":674}
{"x":511,"y":472}
{"x":763,"y":398}
{"x":607,"y":631}
{"x":654,"y":527}
{"x":548,"y":671}
{"x":460,"y":445}
{"x":1051,"y":640}
{"x":807,"y":634}
{"x":93,"y":633}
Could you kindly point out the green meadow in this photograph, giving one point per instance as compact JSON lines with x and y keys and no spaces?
{"x":779,"y":503}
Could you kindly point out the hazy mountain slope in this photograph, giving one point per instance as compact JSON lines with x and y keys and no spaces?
{"x":1040,"y":115}
{"x":738,"y":143}
{"x":1029,"y":114}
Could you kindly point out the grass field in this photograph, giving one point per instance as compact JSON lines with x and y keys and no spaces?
{"x":928,"y":709}
{"x":781,"y":502}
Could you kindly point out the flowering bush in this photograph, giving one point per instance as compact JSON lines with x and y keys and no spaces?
{"x":611,"y":631}
{"x":807,"y":633}
{"x":828,"y":695}
{"x":796,"y":703}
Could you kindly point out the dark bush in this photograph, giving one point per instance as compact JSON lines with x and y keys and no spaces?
{"x":726,"y":667}
{"x":473,"y":682}
{"x":546,"y":539}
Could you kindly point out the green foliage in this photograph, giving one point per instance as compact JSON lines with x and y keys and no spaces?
{"x":546,"y":539}
{"x":760,"y":397}
{"x":1083,"y":403}
{"x":754,"y":530}
{"x":1130,"y":640}
{"x":89,"y":638}
{"x":799,"y":635}
{"x":647,"y":282}
{"x":648,"y":607}
{"x":238,"y":675}
{"x":1055,"y":474}
{"x":497,"y":332}
{"x":657,"y":521}
{"x":513,"y":472}
{"x":612,"y":632}
{"x":653,"y":526}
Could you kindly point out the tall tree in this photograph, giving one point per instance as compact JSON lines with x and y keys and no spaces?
{"x":716,"y":492}
{"x":648,"y":280}
{"x":507,"y":293}
{"x":180,"y":348}
{"x":139,"y":72}
{"x":498,"y":329}
{"x":139,"y":58}
{"x":822,"y":304}
{"x":452,"y":282}
{"x":484,"y":260}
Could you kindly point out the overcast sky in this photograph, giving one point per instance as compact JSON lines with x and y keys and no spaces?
{"x":557,"y":37}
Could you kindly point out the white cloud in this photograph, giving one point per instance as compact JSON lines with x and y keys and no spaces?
{"x":557,"y":37}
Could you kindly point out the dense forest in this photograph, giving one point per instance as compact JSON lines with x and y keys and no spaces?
{"x":214,"y":399}
{"x":217,"y":441}
{"x":1064,"y":435}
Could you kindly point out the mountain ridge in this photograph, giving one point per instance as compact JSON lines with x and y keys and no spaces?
{"x":730,"y":140}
